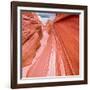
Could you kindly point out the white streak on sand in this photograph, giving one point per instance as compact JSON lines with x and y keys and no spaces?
{"x":52,"y":60}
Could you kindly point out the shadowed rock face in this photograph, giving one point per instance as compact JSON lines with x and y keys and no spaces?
{"x":51,"y":49}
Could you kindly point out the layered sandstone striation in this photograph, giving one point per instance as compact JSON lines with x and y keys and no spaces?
{"x":67,"y":31}
{"x":31,"y":35}
{"x":51,"y":49}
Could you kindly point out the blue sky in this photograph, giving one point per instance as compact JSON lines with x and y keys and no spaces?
{"x":46,"y":16}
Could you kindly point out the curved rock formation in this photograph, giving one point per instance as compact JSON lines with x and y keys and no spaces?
{"x":51,"y":49}
{"x":31,"y":35}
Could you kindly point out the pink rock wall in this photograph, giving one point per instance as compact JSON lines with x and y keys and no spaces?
{"x":31,"y":35}
{"x":67,"y":30}
{"x":51,"y":49}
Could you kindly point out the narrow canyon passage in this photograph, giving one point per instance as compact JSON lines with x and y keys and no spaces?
{"x":46,"y":56}
{"x":49,"y":46}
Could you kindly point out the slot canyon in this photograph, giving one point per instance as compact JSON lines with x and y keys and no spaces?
{"x":50,"y":48}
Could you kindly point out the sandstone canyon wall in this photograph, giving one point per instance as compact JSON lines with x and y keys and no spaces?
{"x":51,"y":49}
{"x":67,"y":30}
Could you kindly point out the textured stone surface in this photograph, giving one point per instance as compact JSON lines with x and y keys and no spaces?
{"x":51,"y":49}
{"x":31,"y":35}
{"x":67,"y":30}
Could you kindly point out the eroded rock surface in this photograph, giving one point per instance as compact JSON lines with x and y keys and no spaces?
{"x":31,"y":35}
{"x":51,"y":49}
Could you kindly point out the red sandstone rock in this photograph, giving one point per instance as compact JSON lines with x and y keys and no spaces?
{"x":30,"y":25}
{"x":67,"y":29}
{"x":56,"y":52}
{"x":49,"y":26}
{"x":31,"y":35}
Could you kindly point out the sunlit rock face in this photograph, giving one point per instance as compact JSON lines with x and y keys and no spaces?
{"x":50,"y":48}
{"x":49,"y":26}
